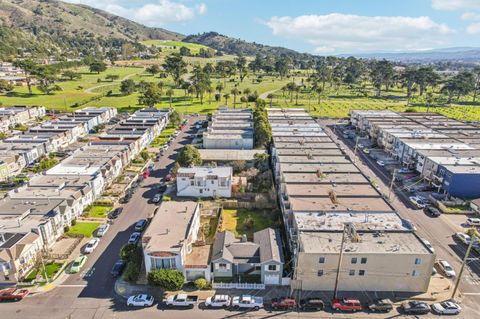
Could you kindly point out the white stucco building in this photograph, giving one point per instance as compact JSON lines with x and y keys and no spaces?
{"x":204,"y":182}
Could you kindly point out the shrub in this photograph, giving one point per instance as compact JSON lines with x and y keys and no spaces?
{"x":131,"y":253}
{"x":166,"y":198}
{"x":74,"y":222}
{"x":201,"y":283}
{"x":132,"y":271}
{"x":103,"y":202}
{"x":167,"y":279}
{"x":66,"y":229}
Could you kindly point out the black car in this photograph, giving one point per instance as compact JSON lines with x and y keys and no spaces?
{"x":118,"y":268}
{"x":162,"y":188}
{"x":140,"y":225}
{"x":125,"y":199}
{"x":116,"y":212}
{"x":381,"y":305}
{"x":415,"y":307}
{"x":432,"y":211}
{"x":312,"y":305}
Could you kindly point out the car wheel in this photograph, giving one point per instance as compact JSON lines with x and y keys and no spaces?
{"x":256,"y":308}
{"x":129,"y":305}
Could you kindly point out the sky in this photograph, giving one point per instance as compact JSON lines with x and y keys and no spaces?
{"x":323,"y":27}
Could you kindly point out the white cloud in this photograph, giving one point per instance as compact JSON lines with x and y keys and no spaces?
{"x":471,"y":16}
{"x":353,"y":33}
{"x":449,"y":5}
{"x":155,"y":13}
{"x":474,"y":28}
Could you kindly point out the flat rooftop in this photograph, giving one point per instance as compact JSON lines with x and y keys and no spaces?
{"x":229,"y":155}
{"x":324,"y":190}
{"x":329,"y":178}
{"x":324,"y":204}
{"x":370,"y":243}
{"x":293,"y":152}
{"x":314,"y":168}
{"x":205,"y":172}
{"x":314,"y":222}
{"x":314,"y":159}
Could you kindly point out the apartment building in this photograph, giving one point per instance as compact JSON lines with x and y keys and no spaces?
{"x":443,"y":150}
{"x":325,"y":199}
{"x":230,"y":129}
{"x":11,"y":116}
{"x":169,"y":241}
{"x":204,"y":182}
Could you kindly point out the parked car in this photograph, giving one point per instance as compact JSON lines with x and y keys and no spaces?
{"x":142,"y":300}
{"x":91,"y":245}
{"x":427,"y":243}
{"x":218,"y":301}
{"x":446,"y":269}
{"x":284,"y":303}
{"x":312,"y":305}
{"x":381,"y":305}
{"x":78,"y":264}
{"x":446,"y":308}
{"x":125,"y":199}
{"x":102,"y":230}
{"x":361,"y":145}
{"x":464,"y":238}
{"x":473,"y":221}
{"x":366,"y":151}
{"x":415,"y":308}
{"x":156,"y":199}
{"x":140,"y":225}
{"x":162,"y":188}
{"x":182,"y":300}
{"x":169,"y":178}
{"x":134,"y":238}
{"x":247,"y":302}
{"x":13,"y":294}
{"x":418,"y":202}
{"x":115,"y":213}
{"x":432,"y":211}
{"x":346,"y":304}
{"x":404,"y":170}
{"x":118,"y":268}
{"x":381,"y":163}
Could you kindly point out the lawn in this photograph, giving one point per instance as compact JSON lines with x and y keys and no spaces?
{"x":162,"y":138}
{"x":194,"y":48}
{"x":83,"y":228}
{"x":242,"y":221}
{"x":98,"y":211}
{"x":51,"y":268}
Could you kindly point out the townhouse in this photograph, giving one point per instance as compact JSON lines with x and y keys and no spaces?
{"x":332,"y":211}
{"x":11,"y":116}
{"x":444,"y":151}
{"x":204,"y":182}
{"x":230,"y":129}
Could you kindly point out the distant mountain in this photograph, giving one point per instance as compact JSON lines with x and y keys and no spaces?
{"x":49,"y":24}
{"x":234,"y":46}
{"x":457,"y":54}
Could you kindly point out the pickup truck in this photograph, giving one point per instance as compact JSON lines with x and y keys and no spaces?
{"x":13,"y":294}
{"x":247,"y":302}
{"x":181,"y":300}
{"x":381,"y":305}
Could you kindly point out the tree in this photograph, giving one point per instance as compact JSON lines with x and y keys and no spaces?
{"x":424,"y":77}
{"x":175,"y":66}
{"x":408,"y":79}
{"x":170,"y":93}
{"x":226,"y":96}
{"x":29,"y":67}
{"x":459,"y":85}
{"x":201,"y":283}
{"x":175,"y":118}
{"x":241,"y":64}
{"x":5,"y":86}
{"x":282,"y":65}
{"x":263,"y":131}
{"x":167,"y":279}
{"x":381,"y":74}
{"x":270,"y":97}
{"x":48,"y":88}
{"x":150,"y":95}
{"x":189,"y":156}
{"x":200,"y":81}
{"x":71,"y":75}
{"x":235,"y":92}
{"x":128,"y":252}
{"x":112,"y":77}
{"x":97,"y":66}
{"x":184,"y":51}
{"x":127,"y":87}
{"x":153,"y":69}
{"x":476,"y":86}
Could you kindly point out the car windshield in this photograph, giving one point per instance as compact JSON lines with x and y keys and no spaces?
{"x":75,"y":264}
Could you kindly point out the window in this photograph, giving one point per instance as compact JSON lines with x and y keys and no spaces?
{"x":222,"y":266}
{"x":212,"y":182}
{"x":272,"y":267}
{"x":361,"y":272}
{"x":191,"y":183}
{"x":320,"y":273}
{"x":354,"y":260}
{"x":164,"y":263}
{"x":321,"y":260}
{"x":418,"y":261}
{"x":363,"y":260}
{"x":415,"y":273}
{"x":201,"y":191}
{"x":351,"y":272}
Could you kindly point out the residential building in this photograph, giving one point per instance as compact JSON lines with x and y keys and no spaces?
{"x":204,"y":182}
{"x":230,"y":129}
{"x":236,"y":259}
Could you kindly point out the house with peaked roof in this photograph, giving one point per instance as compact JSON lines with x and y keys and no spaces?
{"x":237,"y":258}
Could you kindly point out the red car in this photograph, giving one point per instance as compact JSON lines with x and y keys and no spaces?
{"x":346,"y":304}
{"x":146,"y":174}
{"x":284,"y":303}
{"x":169,"y":178}
{"x":13,"y":294}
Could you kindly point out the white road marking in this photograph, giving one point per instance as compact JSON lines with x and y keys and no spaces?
{"x":72,"y":286}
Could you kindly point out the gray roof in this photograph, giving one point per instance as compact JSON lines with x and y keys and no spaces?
{"x":266,"y":246}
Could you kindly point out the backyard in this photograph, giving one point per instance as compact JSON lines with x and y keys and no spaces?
{"x":96,"y":211}
{"x":243,"y":221}
{"x":83,"y":228}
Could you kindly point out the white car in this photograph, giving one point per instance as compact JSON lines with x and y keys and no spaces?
{"x":473,"y":221}
{"x":427,"y":243}
{"x":418,"y":202}
{"x":140,"y":301}
{"x":218,"y":301}
{"x":361,"y":146}
{"x":134,"y":238}
{"x":247,"y":302}
{"x":464,"y":238}
{"x":102,"y":230}
{"x":381,"y":163}
{"x":446,"y":308}
{"x":446,"y":268}
{"x":91,"y":245}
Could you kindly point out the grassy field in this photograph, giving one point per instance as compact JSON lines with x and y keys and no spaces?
{"x":83,"y":228}
{"x":247,"y":222}
{"x":175,"y":46}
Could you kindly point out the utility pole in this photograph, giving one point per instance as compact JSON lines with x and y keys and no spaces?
{"x":465,"y":259}
{"x":392,"y":183}
{"x":355,"y":149}
{"x":339,"y":264}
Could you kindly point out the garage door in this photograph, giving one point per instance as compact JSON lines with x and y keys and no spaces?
{"x":272,"y":279}
{"x":194,"y":274}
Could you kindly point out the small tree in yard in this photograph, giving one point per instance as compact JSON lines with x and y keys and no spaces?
{"x":189,"y":156}
{"x":175,"y":118}
{"x":201,"y":283}
{"x":129,"y":252}
{"x":167,"y":279}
